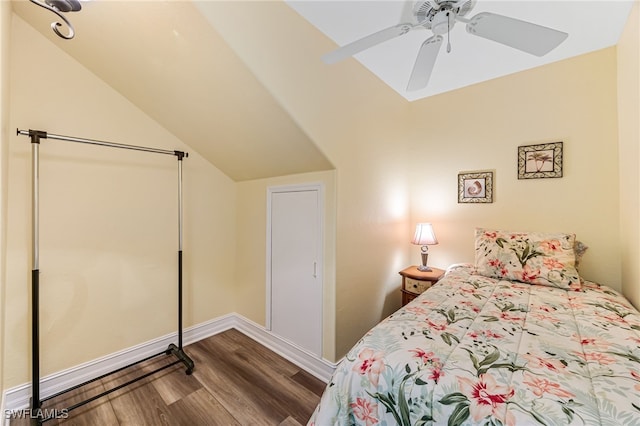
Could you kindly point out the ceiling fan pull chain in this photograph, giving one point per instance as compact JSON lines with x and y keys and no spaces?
{"x":448,"y":32}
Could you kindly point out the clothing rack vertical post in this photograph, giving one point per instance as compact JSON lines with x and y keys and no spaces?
{"x":37,"y":414}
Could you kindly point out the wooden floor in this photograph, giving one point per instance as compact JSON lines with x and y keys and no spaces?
{"x":236,"y":381}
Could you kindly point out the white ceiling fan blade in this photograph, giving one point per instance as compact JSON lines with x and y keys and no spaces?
{"x":365,"y":43}
{"x":424,"y":63}
{"x":521,"y":35}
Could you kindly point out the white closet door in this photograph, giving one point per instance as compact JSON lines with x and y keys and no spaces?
{"x":296,"y":284}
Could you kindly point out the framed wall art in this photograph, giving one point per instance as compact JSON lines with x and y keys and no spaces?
{"x":540,"y":161}
{"x":475,"y":187}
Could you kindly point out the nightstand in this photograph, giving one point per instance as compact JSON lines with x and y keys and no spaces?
{"x":414,"y":282}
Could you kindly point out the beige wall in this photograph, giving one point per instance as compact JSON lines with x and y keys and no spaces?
{"x":5,"y":37}
{"x":397,"y":162}
{"x":412,"y":163}
{"x":629,"y":128}
{"x":251,"y":246}
{"x":359,"y":124}
{"x":480,"y":128}
{"x":108,"y":237}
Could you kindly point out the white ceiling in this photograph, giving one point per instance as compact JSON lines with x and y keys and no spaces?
{"x":591,"y":25}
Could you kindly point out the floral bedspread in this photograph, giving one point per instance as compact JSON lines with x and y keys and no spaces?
{"x":474,"y":350}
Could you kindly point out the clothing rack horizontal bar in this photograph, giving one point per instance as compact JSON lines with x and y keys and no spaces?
{"x":95,"y":379}
{"x":41,"y":134}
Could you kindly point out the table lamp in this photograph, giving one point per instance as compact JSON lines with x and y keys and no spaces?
{"x":424,"y":237}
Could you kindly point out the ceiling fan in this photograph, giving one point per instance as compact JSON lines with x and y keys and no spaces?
{"x":440,"y":16}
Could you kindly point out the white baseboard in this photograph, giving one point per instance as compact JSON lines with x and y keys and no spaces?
{"x":318,"y":367}
{"x":17,"y":398}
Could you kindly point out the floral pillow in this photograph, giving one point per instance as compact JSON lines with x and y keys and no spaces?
{"x":533,"y":258}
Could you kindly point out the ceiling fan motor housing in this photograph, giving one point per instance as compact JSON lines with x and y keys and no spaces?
{"x":440,"y":16}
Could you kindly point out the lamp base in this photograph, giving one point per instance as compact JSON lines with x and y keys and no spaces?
{"x":424,"y":255}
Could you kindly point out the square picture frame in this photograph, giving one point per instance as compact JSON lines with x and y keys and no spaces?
{"x":540,"y":161}
{"x":475,"y":187}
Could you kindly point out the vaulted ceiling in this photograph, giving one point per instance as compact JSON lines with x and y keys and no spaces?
{"x":185,"y":64}
{"x":166,"y":58}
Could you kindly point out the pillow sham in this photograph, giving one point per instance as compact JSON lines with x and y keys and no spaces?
{"x":529,"y":257}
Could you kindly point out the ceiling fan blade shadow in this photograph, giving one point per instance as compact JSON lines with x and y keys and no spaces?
{"x":366,"y":42}
{"x":424,"y":63}
{"x":526,"y":36}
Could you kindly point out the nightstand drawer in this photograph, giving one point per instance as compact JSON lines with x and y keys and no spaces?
{"x":416,"y":286}
{"x":416,"y":282}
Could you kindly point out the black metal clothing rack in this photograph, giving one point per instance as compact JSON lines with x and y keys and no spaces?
{"x":39,"y":416}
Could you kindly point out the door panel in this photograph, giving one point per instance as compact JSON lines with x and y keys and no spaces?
{"x":296,"y":287}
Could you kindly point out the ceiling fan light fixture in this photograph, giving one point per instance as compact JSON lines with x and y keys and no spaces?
{"x":443,"y":21}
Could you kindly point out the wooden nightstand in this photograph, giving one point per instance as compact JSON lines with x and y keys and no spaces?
{"x":414,"y":282}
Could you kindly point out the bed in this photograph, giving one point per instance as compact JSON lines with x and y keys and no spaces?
{"x":517,"y":338}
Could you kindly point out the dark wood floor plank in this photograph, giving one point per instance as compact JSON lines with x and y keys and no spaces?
{"x":290,"y":421}
{"x":258,"y":374}
{"x":310,"y":382}
{"x":201,"y":408}
{"x":141,"y":406}
{"x":174,"y":384}
{"x":299,"y":401}
{"x":243,"y":400}
{"x":139,"y":403}
{"x":274,"y":360}
{"x":236,"y":381}
{"x":84,"y":415}
{"x":228,"y":341}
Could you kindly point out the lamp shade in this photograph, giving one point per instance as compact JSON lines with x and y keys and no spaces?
{"x":424,"y":235}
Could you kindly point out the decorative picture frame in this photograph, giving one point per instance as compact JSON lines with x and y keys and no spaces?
{"x":475,"y":187}
{"x":540,"y":161}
